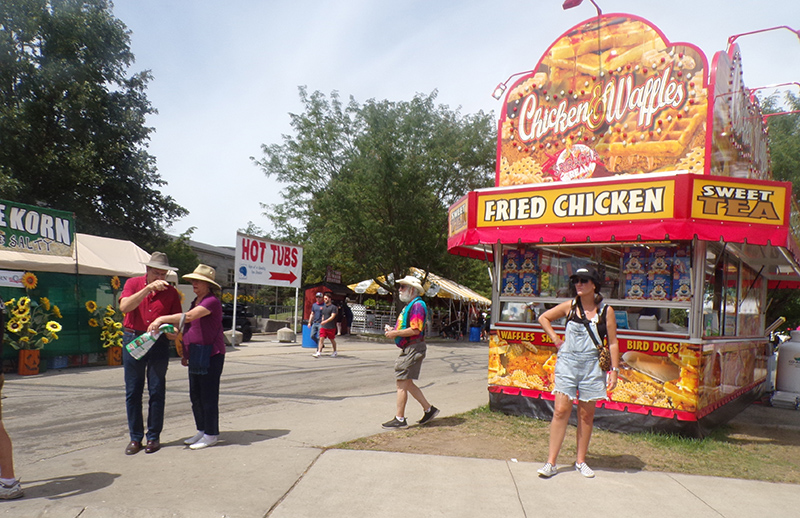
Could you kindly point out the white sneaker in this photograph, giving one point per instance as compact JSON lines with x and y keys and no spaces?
{"x":334,"y":354}
{"x":11,"y":492}
{"x":547,"y":471}
{"x":316,"y":354}
{"x":193,"y":439}
{"x":205,"y":442}
{"x":585,"y":470}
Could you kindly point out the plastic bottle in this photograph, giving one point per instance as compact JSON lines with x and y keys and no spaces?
{"x":139,"y":346}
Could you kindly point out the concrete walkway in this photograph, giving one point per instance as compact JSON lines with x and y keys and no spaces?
{"x":277,"y":457}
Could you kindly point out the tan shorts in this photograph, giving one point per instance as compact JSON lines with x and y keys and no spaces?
{"x":409,"y":363}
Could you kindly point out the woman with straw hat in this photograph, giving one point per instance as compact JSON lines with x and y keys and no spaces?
{"x":204,"y":353}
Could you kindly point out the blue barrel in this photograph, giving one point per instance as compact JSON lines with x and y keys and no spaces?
{"x":474,"y":334}
{"x":307,"y":341}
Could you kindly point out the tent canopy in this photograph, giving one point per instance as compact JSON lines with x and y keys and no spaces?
{"x":93,"y":255}
{"x":439,"y":287}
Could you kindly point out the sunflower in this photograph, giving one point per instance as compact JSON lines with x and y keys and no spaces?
{"x":45,"y":302}
{"x":108,"y":322}
{"x":93,"y":322}
{"x":11,"y":302}
{"x":14,"y":326}
{"x":91,"y":306}
{"x":115,"y":283}
{"x":29,"y":280}
{"x":110,"y":311}
{"x":32,"y":331}
{"x":24,"y":339}
{"x":24,"y":302}
{"x":21,"y":312}
{"x":56,"y":312}
{"x":118,"y":326}
{"x":45,"y":341}
{"x":53,"y":326}
{"x":24,"y":319}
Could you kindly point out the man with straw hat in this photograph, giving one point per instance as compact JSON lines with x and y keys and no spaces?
{"x":409,"y":336}
{"x":144,"y":299}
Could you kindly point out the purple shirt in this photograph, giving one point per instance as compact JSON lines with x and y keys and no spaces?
{"x":208,"y":329}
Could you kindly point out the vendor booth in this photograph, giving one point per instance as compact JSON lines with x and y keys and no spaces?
{"x":456,"y":301}
{"x":95,"y":270}
{"x":633,"y":154}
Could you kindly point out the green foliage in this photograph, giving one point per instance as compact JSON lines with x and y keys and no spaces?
{"x":784,"y":148}
{"x":368,"y":186}
{"x":180,"y":254}
{"x":72,"y":122}
{"x":784,"y":140}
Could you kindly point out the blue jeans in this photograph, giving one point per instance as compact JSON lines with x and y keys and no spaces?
{"x":204,"y":394}
{"x":153,"y":368}
{"x":315,"y":332}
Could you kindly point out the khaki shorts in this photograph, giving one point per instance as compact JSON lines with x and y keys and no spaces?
{"x":409,"y":363}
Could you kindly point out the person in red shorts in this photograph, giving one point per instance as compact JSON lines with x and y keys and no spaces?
{"x":327,"y":328}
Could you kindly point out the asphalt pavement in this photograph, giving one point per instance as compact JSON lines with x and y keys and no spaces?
{"x":282,"y":415}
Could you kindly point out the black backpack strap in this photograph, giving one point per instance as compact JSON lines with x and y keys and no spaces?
{"x":585,"y":322}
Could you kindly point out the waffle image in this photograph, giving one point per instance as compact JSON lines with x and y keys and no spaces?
{"x":623,"y":147}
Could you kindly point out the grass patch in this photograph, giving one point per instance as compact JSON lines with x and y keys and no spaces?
{"x":747,"y":451}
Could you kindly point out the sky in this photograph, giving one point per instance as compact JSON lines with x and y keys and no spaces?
{"x":226,"y":74}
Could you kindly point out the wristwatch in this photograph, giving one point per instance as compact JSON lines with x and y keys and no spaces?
{"x":615,"y":369}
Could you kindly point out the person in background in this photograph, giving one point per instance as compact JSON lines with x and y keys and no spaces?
{"x":577,"y":373}
{"x":315,"y":317}
{"x":143,"y":299}
{"x":327,"y":327}
{"x":347,"y":322}
{"x":203,"y":353}
{"x":409,"y":335}
{"x":10,"y":487}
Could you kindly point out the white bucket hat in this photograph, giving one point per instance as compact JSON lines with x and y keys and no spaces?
{"x":410,"y":280}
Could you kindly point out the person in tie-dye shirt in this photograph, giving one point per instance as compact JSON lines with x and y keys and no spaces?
{"x":409,"y":335}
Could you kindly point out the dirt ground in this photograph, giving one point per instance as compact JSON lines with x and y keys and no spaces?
{"x":762,"y":443}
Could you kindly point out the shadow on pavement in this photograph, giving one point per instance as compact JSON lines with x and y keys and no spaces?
{"x":68,"y":486}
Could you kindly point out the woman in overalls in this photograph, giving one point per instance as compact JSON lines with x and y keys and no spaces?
{"x":577,"y":373}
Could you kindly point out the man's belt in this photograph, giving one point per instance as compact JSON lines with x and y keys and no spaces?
{"x":134,"y":331}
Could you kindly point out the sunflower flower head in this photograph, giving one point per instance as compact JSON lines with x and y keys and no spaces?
{"x":45,"y":302}
{"x":56,"y":312}
{"x":91,"y":306}
{"x":115,"y":284}
{"x":53,"y":326}
{"x":29,"y":280}
{"x":93,"y":322}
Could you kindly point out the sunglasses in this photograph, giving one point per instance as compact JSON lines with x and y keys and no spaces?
{"x":580,"y":281}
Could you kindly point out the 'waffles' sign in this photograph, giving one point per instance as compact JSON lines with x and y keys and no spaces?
{"x":610,"y":97}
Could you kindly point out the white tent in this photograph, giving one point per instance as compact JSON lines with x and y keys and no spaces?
{"x":92,"y":255}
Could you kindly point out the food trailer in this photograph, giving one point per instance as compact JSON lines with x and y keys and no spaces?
{"x":634,"y":154}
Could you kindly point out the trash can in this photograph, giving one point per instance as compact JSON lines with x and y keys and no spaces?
{"x":474,"y":334}
{"x":307,"y":341}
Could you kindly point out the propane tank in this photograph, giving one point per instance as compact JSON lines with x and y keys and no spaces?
{"x":787,"y":378}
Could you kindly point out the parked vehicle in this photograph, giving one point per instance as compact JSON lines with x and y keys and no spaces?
{"x":245,"y":320}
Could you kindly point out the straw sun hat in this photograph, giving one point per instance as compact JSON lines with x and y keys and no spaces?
{"x":203,"y":273}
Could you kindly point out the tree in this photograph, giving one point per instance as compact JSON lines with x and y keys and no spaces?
{"x":784,"y":148}
{"x":180,"y":254}
{"x":72,"y":123}
{"x":368,"y":187}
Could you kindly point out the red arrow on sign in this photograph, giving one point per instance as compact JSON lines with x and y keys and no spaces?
{"x":289,"y":277}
